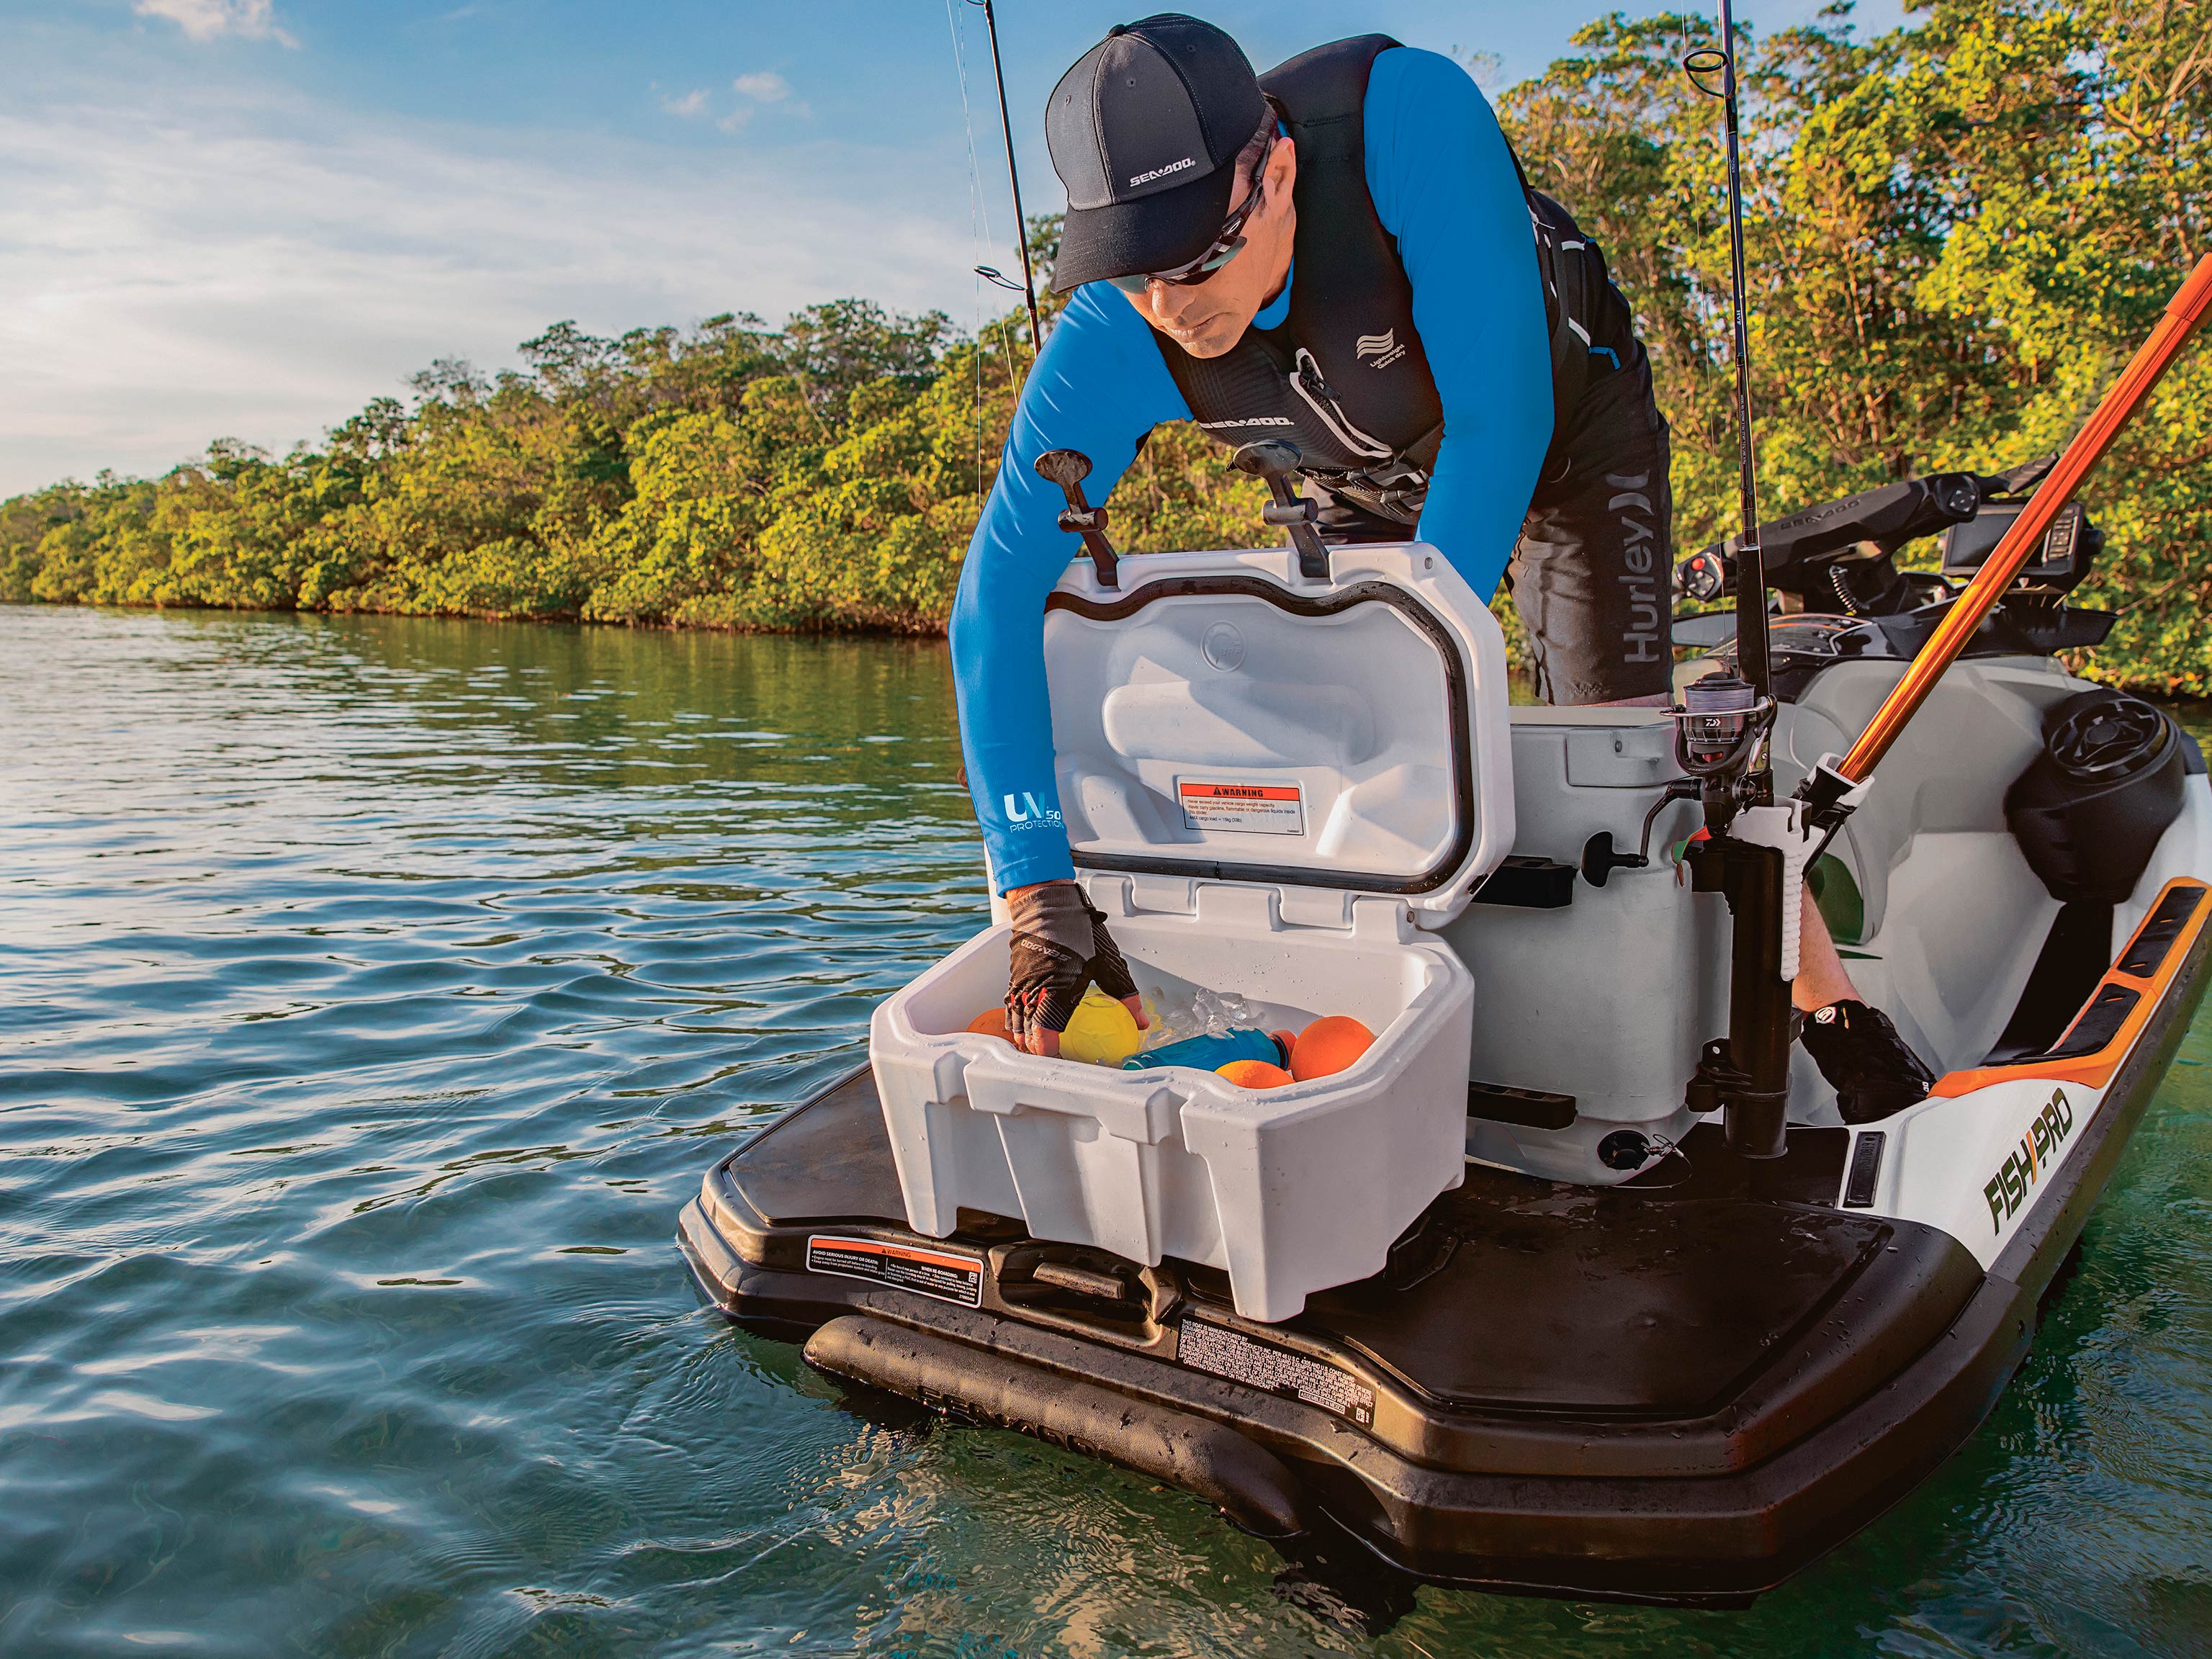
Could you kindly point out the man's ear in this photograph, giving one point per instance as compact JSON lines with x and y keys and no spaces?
{"x":1282,"y":170}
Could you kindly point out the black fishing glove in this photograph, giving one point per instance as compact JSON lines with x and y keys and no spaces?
{"x":1061,"y":946}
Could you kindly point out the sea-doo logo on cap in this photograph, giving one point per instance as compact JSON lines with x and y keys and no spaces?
{"x":1383,"y":348}
{"x":2016,"y":1178}
{"x":1162,"y":172}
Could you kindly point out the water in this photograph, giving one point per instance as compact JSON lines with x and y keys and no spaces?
{"x":376,"y":991}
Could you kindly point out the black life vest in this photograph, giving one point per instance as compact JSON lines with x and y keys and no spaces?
{"x":1344,"y":376}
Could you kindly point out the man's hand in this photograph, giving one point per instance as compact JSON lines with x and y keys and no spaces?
{"x":1061,"y":946}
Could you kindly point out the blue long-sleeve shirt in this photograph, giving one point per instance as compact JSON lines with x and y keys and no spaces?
{"x":1444,"y":185}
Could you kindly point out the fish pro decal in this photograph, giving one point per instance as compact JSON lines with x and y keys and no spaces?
{"x":2028,"y":1163}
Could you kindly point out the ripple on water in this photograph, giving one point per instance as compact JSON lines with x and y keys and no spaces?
{"x":378,"y":989}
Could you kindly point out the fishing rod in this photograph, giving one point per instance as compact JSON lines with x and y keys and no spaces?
{"x":1754,"y":853}
{"x":1753,"y":661}
{"x":1014,"y":178}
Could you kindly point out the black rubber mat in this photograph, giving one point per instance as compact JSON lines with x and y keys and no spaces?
{"x":828,"y":1159}
{"x":1560,"y":1299}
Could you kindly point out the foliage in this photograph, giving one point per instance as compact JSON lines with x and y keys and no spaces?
{"x":1957,"y":231}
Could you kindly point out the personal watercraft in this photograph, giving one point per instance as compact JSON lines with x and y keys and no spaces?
{"x":1576,"y":1281}
{"x":1619,"y":1358}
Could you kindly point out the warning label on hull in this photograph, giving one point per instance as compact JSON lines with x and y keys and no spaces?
{"x":1252,"y":809}
{"x":941,"y":1274}
{"x":1205,"y":1346}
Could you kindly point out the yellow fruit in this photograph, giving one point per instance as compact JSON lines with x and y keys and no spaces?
{"x":1253,"y":1074}
{"x":1100,"y":1032}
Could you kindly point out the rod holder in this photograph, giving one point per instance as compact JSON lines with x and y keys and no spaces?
{"x":1068,"y":468}
{"x":1275,"y":462}
{"x":1745,"y":1076}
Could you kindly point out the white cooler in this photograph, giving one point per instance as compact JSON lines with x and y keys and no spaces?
{"x":1275,"y":786}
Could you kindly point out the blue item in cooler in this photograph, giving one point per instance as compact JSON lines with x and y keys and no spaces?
{"x":1210,"y":1053}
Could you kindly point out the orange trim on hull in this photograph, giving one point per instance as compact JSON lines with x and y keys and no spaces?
{"x":2094,"y":1071}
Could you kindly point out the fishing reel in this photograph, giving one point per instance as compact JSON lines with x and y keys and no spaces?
{"x":1721,"y":732}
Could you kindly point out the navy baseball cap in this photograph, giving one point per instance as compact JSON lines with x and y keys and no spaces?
{"x":1144,"y":132}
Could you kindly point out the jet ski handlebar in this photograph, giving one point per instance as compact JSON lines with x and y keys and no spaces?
{"x":1838,"y":555}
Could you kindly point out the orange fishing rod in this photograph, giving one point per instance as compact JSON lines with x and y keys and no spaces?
{"x":2183,"y":313}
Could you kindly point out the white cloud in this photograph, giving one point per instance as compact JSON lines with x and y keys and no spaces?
{"x":205,"y":20}
{"x":765,"y":86}
{"x":172,"y":274}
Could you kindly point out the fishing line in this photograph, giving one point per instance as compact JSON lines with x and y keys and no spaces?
{"x":1014,"y":177}
{"x":979,"y":231}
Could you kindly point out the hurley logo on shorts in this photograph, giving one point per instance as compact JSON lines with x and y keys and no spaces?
{"x":2016,"y":1178}
{"x":1162,"y":172}
{"x":1637,"y":571}
{"x":1383,"y":348}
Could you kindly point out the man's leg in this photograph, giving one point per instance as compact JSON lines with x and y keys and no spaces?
{"x":1591,"y":576}
{"x":1873,"y":1070}
{"x":1820,"y":977}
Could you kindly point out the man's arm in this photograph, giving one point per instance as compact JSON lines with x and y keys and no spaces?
{"x":1444,"y":185}
{"x":1099,"y":386}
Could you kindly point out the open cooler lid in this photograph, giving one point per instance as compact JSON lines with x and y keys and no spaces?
{"x":1219,"y":717}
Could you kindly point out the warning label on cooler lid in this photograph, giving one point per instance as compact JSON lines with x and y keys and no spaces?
{"x":1257,"y":809}
{"x":1205,"y":1346}
{"x":943,"y":1274}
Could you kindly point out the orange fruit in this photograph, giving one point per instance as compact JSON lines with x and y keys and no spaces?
{"x":1329,"y":1045}
{"x":1253,"y":1074}
{"x":991,"y":1022}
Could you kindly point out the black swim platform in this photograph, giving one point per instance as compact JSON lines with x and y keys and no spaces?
{"x":1674,"y":1392}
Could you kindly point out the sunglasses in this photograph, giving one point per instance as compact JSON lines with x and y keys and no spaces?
{"x":1226,"y":246}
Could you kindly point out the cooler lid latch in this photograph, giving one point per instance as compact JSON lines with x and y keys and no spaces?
{"x":1275,"y":461}
{"x":1068,"y":468}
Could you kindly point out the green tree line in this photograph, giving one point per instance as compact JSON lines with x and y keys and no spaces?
{"x":1958,"y":231}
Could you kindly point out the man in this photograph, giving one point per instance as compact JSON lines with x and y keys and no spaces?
{"x":1345,"y":255}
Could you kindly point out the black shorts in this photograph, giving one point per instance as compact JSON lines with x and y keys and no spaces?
{"x":1593,"y":574}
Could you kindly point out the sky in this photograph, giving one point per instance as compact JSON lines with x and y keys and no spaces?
{"x":245,"y":218}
